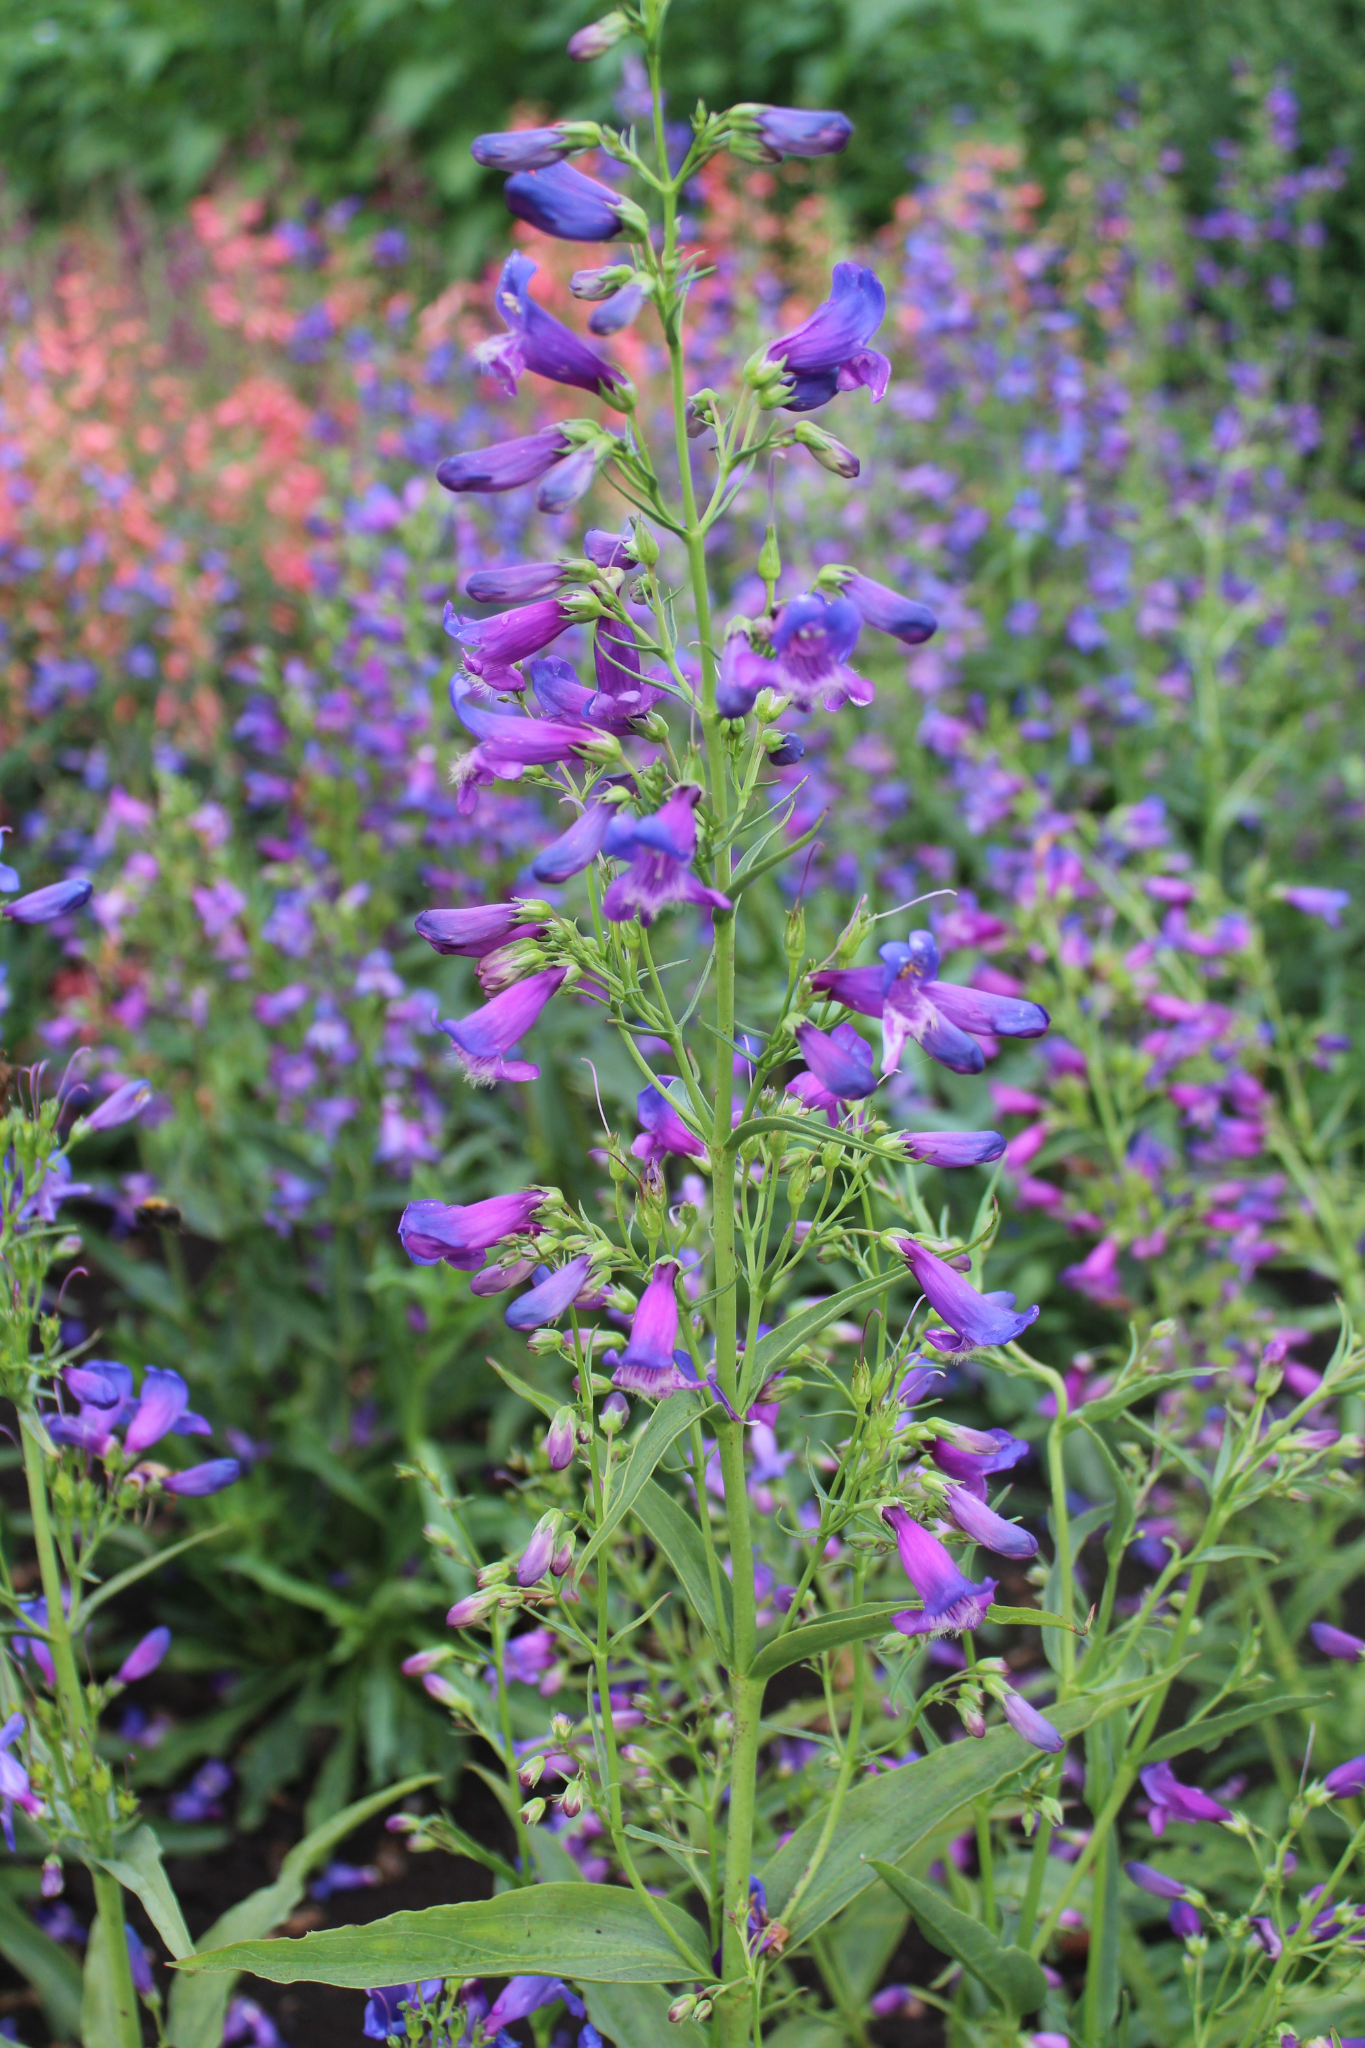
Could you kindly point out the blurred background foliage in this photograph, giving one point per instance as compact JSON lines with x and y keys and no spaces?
{"x":381,"y":97}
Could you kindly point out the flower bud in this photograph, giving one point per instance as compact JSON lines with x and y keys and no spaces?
{"x":615,"y":1413}
{"x":701,"y":2012}
{"x":853,"y":933}
{"x":495,"y":1574}
{"x":508,"y":964}
{"x":682,"y":2008}
{"x":594,"y":285}
{"x":769,"y":706}
{"x":532,"y":1812}
{"x":53,"y":1883}
{"x":471,"y":1610}
{"x":424,"y":1661}
{"x":559,"y":1440}
{"x":530,"y":1773}
{"x":547,"y":1343}
{"x":794,"y":935}
{"x":571,"y":1799}
{"x":598,"y":37}
{"x":562,"y":1561}
{"x":644,"y":544}
{"x":535,"y":1559}
{"x":442,"y":1691}
{"x":829,"y":453}
{"x":770,"y":557}
{"x":767,"y":377}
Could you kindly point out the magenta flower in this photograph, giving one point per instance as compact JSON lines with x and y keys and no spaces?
{"x":163,"y":1400}
{"x":953,"y":1148}
{"x":622,"y":691}
{"x":144,"y":1657}
{"x":660,"y":849}
{"x":829,"y":352}
{"x":537,"y":342}
{"x":1347,"y":1780}
{"x":1328,"y":904}
{"x":519,"y":583}
{"x":118,"y":1108}
{"x":553,"y":1293}
{"x":1097,"y":1275}
{"x":491,"y":646}
{"x":483,"y":1039}
{"x":1025,"y":1720}
{"x":15,"y":1789}
{"x":558,"y":1442}
{"x":469,"y":934}
{"x":977,"y":1319}
{"x":951,"y":1601}
{"x":838,"y":1069}
{"x":812,"y":641}
{"x":984,"y":1526}
{"x":40,"y":906}
{"x":562,"y":202}
{"x":1334,"y":1642}
{"x":664,"y":1130}
{"x":1173,"y":1801}
{"x":943,"y":1018}
{"x":969,"y":1455}
{"x":508,"y":465}
{"x":508,"y":744}
{"x":651,"y":1364}
{"x":460,"y":1234}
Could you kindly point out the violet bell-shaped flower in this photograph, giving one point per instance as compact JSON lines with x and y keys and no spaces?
{"x":15,"y":1788}
{"x":482,"y":928}
{"x":1025,"y":1720}
{"x":838,"y":1069}
{"x":664,"y":1131}
{"x":507,"y":745}
{"x":58,"y":899}
{"x":1155,"y":1882}
{"x":979,"y":1521}
{"x":562,"y":202}
{"x":537,"y":342}
{"x":518,"y":583}
{"x":576,"y":848}
{"x":660,"y":849}
{"x":483,"y":1040}
{"x":966,"y":1456}
{"x":1173,"y":1801}
{"x":953,"y":1148}
{"x":765,"y":135}
{"x":508,"y":465}
{"x":117,"y":1108}
{"x":977,"y":1319}
{"x":812,"y":640}
{"x":743,"y":673}
{"x":829,"y":352}
{"x":461,"y":1233}
{"x":491,"y":646}
{"x":651,"y":1363}
{"x":939,"y":1015}
{"x":550,"y":1296}
{"x":904,"y":618}
{"x":1335,"y":1642}
{"x":531,"y":149}
{"x":144,"y":1658}
{"x":197,"y":1482}
{"x":951,"y":1601}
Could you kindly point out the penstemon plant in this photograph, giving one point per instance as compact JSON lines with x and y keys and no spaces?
{"x":750,"y":1566}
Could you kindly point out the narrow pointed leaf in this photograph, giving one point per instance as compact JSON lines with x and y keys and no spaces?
{"x":857,"y":1624}
{"x":138,"y":1869}
{"x":52,"y":1970}
{"x":1011,"y":1975}
{"x":663,"y":1429}
{"x":1207,"y":1733}
{"x":677,"y":1536}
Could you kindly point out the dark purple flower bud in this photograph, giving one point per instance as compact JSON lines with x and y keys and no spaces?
{"x":472,"y":1609}
{"x":508,"y":465}
{"x":576,"y":848}
{"x":812,"y":641}
{"x":559,"y":1440}
{"x":535,"y":1559}
{"x":143,"y":1982}
{"x":608,"y":550}
{"x":1268,"y":1937}
{"x":622,"y":693}
{"x":1173,"y":1801}
{"x":164,"y":1397}
{"x":1334,"y":1642}
{"x":118,"y":1108}
{"x":789,"y":748}
{"x":144,"y":1658}
{"x":461,"y":1233}
{"x":598,"y":37}
{"x":953,"y":1148}
{"x":660,"y":849}
{"x":829,"y":453}
{"x":520,"y":584}
{"x":984,"y":1526}
{"x":886,"y":610}
{"x":562,"y":202}
{"x":664,"y":1130}
{"x":829,"y":352}
{"x":201,"y":1480}
{"x":767,"y":134}
{"x":651,"y":1363}
{"x":481,"y":929}
{"x":537,"y":342}
{"x":1184,"y":1920}
{"x":497,"y":1279}
{"x":484,"y":1038}
{"x":550,"y":1297}
{"x":525,"y":149}
{"x":970,"y":1455}
{"x":981,"y":1319}
{"x":1025,"y":1720}
{"x":618,"y":311}
{"x":1347,"y":1779}
{"x":951,"y":1601}
{"x":40,"y":906}
{"x":1154,"y":1882}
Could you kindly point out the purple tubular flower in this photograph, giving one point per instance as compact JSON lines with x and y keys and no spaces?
{"x":980,"y":1319}
{"x":838,"y":1069}
{"x":793,"y":131}
{"x":384,"y":2007}
{"x":144,"y":1658}
{"x":576,"y":848}
{"x":953,"y":1148}
{"x":535,"y":1559}
{"x":951,"y":1601}
{"x":558,"y":690}
{"x":493,"y":645}
{"x":522,"y":149}
{"x":743,"y":673}
{"x":1268,"y":1936}
{"x":40,"y":906}
{"x":519,"y":584}
{"x":650,"y":1363}
{"x":917,"y":1383}
{"x":1334,"y":1642}
{"x":664,"y":1130}
{"x":1328,"y":904}
{"x":660,"y":849}
{"x":509,"y":744}
{"x":164,"y":1399}
{"x":939,"y":1015}
{"x":472,"y":933}
{"x":618,"y":311}
{"x":506,"y":466}
{"x":829,"y":352}
{"x":1347,"y":1779}
{"x":622,"y":692}
{"x":1184,"y":1920}
{"x":902,"y":617}
{"x":523,"y":1995}
{"x":984,"y":1526}
{"x":1154,"y":1882}
{"x":460,"y":1233}
{"x":103,"y":1383}
{"x":537,"y":342}
{"x":15,"y":1789}
{"x":569,"y":480}
{"x":85,"y":1432}
{"x":120,"y":1107}
{"x":562,"y":202}
{"x":201,"y":1480}
{"x":550,"y":1297}
{"x":608,"y":550}
{"x":559,"y":1440}
{"x":1173,"y":1801}
{"x":483,"y":1039}
{"x":1033,"y":1726}
{"x":141,"y":1968}
{"x":812,"y":640}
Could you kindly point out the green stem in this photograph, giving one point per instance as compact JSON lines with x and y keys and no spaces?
{"x":109,"y":1904}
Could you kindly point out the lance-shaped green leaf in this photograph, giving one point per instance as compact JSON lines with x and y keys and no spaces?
{"x":779,"y":1344}
{"x":663,"y":1429}
{"x":1011,"y":1975}
{"x":1211,"y":1730}
{"x":636,"y":2016}
{"x":51,"y":1969}
{"x":857,"y":1624}
{"x":597,"y":1933}
{"x":138,"y":1869}
{"x":677,"y":1536}
{"x":890,"y":1815}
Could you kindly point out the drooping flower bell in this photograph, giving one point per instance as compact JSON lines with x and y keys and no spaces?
{"x":562,"y":202}
{"x":484,"y":1039}
{"x":941,"y":1016}
{"x":976,"y":1320}
{"x":660,"y":849}
{"x":554,"y":1292}
{"x":1025,"y":1720}
{"x":829,"y":352}
{"x":537,"y":342}
{"x":523,"y":1995}
{"x":483,"y":927}
{"x":664,"y":1131}
{"x":576,"y":848}
{"x":812,"y":640}
{"x":904,"y":618}
{"x":509,"y":743}
{"x":492,"y":645}
{"x":41,"y":906}
{"x":461,"y":1233}
{"x":951,"y":1601}
{"x":532,"y":149}
{"x":953,"y":1148}
{"x":765,"y":134}
{"x":507,"y":465}
{"x":1173,"y":1801}
{"x":651,"y":1363}
{"x":838,"y":1069}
